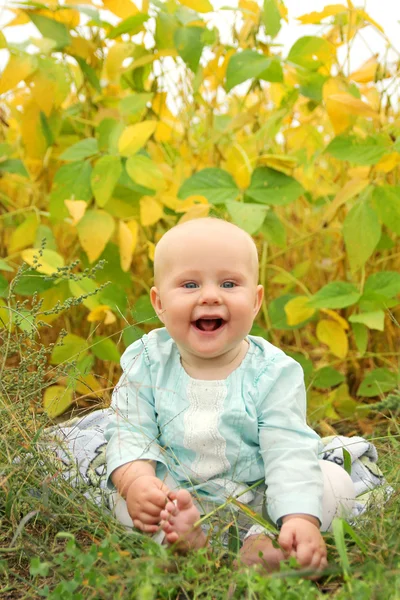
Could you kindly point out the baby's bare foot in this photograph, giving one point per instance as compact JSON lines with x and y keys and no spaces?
{"x":259,"y":550}
{"x":178,"y":519}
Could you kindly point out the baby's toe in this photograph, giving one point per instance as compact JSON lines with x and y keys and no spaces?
{"x":184,"y":500}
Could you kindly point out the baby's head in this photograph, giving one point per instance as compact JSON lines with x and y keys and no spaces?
{"x":206,"y":292}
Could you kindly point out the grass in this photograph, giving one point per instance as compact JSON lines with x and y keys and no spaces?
{"x":54,"y":545}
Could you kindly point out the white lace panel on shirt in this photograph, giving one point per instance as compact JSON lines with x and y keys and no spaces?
{"x":201,"y":434}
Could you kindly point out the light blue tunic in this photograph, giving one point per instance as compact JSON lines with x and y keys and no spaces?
{"x":215,"y":436}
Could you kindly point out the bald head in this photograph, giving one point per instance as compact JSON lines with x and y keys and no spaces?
{"x":199,"y":233}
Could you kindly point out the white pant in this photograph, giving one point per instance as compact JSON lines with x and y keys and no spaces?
{"x":338,"y":498}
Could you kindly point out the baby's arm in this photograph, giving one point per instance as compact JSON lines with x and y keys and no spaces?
{"x":145,"y":494}
{"x":300,"y":537}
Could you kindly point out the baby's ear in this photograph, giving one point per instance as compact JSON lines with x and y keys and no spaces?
{"x":156,"y":303}
{"x":258,"y":299}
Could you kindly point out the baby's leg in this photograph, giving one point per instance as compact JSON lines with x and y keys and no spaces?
{"x":178,"y":519}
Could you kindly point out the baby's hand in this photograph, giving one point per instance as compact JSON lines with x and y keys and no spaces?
{"x":146,"y":498}
{"x":301,"y":538}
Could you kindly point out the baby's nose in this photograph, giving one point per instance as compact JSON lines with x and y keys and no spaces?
{"x":211,"y":294}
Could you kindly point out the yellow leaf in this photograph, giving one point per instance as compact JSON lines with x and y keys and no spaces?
{"x":23,"y":235}
{"x":250,"y":9}
{"x":76,"y":209}
{"x":57,"y":399}
{"x":121,"y":8}
{"x":334,"y":315}
{"x":169,"y":201}
{"x":134,"y":137}
{"x":134,"y":229}
{"x":68,"y":16}
{"x":388,"y":162}
{"x":17,"y":69}
{"x":333,"y":335}
{"x":316,"y":17}
{"x":149,"y":58}
{"x":79,"y":46}
{"x":21,"y":18}
{"x":238,"y":165}
{"x":151,"y":211}
{"x":115,"y":57}
{"x":94,"y":230}
{"x":125,"y":243}
{"x":189,"y":202}
{"x":349,"y":190}
{"x":196,"y":212}
{"x":49,"y":261}
{"x":32,"y":135}
{"x":201,"y":6}
{"x":367,"y":71}
{"x":365,"y":16}
{"x":145,"y":172}
{"x":297,"y":310}
{"x":151,"y":250}
{"x":341,"y":109}
{"x":102,"y":313}
{"x":279,"y":162}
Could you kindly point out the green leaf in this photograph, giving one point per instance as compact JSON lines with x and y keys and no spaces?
{"x":271,"y":18}
{"x":14,"y":165}
{"x":131,"y":25}
{"x":361,"y":232}
{"x":104,"y":178}
{"x":373,"y":320}
{"x":217,"y":185}
{"x":386,"y":283}
{"x":360,"y":332}
{"x":377,"y":382}
{"x":133,"y":104}
{"x":189,"y":44}
{"x":347,"y":461}
{"x":105,"y":349}
{"x":273,"y":230}
{"x":131,"y":334}
{"x":39,"y":568}
{"x":367,"y":151}
{"x":80,"y":150}
{"x":337,"y":294}
{"x":24,"y":234}
{"x":338,"y":534}
{"x":311,"y":52}
{"x":81,"y":287}
{"x":72,"y":181}
{"x":248,"y":64}
{"x":115,"y":297}
{"x":46,"y":129}
{"x":72,"y":348}
{"x":166,"y":25}
{"x":32,"y":282}
{"x":3,"y":287}
{"x":143,"y":312}
{"x":51,"y":29}
{"x":89,"y":73}
{"x":249,"y":217}
{"x":327,"y":377}
{"x":272,"y":187}
{"x":387,"y":202}
{"x":4,"y":266}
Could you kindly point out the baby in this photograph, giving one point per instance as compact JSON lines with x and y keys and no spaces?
{"x":204,"y":410}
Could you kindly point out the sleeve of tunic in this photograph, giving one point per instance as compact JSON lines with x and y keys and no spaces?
{"x":133,"y":433}
{"x":289,"y":447}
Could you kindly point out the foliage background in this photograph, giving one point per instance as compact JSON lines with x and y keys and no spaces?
{"x":99,"y":157}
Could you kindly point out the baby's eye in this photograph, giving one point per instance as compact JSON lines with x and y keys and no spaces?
{"x":228,"y":284}
{"x":190,"y":285}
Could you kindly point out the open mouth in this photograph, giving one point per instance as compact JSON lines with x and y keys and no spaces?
{"x":209,"y":324}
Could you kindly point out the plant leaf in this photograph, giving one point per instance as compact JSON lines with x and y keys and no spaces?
{"x":271,"y":18}
{"x":104,"y":178}
{"x":80,"y":150}
{"x":298,"y":310}
{"x":361,"y":232}
{"x":331,"y":334}
{"x":134,"y":137}
{"x":72,"y":348}
{"x":94,"y":230}
{"x":336,"y":294}
{"x":143,"y":171}
{"x":368,"y":151}
{"x":249,"y":217}
{"x":377,"y":382}
{"x":387,"y":202}
{"x":217,"y":185}
{"x":249,"y":64}
{"x":273,"y":187}
{"x":189,"y":44}
{"x":105,"y":349}
{"x":373,"y":320}
{"x":48,"y":263}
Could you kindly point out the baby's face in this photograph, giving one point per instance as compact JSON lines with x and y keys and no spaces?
{"x":207,"y":294}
